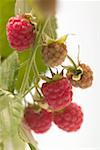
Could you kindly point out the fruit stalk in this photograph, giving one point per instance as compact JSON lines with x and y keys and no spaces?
{"x":71,"y":60}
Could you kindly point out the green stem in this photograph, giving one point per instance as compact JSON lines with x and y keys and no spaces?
{"x":36,"y":73}
{"x":32,"y":60}
{"x":71,"y":60}
{"x":26,"y":92}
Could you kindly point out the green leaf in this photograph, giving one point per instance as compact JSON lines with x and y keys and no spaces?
{"x":5,"y":98}
{"x":15,"y":114}
{"x":51,"y":28}
{"x":39,"y":61}
{"x":10,"y":118}
{"x":8,"y":72}
{"x":6,"y":11}
{"x":23,"y":58}
{"x":25,"y":133}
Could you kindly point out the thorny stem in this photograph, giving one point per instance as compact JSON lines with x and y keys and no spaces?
{"x":32,"y":60}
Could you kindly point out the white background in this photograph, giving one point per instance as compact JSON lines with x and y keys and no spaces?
{"x":83,"y":19}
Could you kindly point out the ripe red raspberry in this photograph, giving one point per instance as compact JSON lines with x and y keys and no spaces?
{"x":20,"y":33}
{"x":54,"y":54}
{"x":58,"y":94}
{"x":40,"y":121}
{"x":69,"y":119}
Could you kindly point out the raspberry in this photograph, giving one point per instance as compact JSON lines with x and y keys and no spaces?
{"x":54,"y":54}
{"x":69,"y":119}
{"x":20,"y":33}
{"x":86,"y":78}
{"x":58,"y":94}
{"x":40,"y":121}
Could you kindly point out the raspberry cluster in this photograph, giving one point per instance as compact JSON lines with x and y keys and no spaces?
{"x":54,"y":100}
{"x":57,"y":93}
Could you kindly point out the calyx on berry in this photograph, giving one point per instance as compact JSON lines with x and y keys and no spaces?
{"x":59,"y":41}
{"x":31,"y":18}
{"x":76,"y":73}
{"x":55,"y":76}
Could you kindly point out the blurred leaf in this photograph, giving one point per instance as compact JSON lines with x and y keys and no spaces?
{"x":47,"y":6}
{"x":1,"y":146}
{"x":40,"y":8}
{"x":23,"y":6}
{"x":8,"y":72}
{"x":51,"y":28}
{"x":6,"y":11}
{"x":27,"y":6}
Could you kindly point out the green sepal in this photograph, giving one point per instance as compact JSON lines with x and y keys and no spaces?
{"x":62,"y":39}
{"x":59,"y":41}
{"x":55,"y":77}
